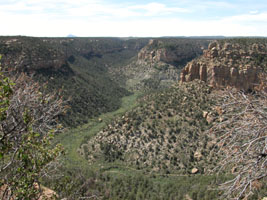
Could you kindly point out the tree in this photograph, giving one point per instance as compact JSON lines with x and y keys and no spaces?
{"x":28,"y":123}
{"x":242,"y":141}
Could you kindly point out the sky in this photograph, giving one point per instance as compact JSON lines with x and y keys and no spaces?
{"x":138,"y":18}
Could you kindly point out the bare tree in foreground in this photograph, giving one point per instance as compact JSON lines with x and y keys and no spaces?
{"x":28,"y":123}
{"x":242,"y":141}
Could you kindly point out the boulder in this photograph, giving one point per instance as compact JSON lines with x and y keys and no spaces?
{"x":213,"y":44}
{"x":210,"y":118}
{"x":197,"y":155}
{"x":194,"y":170}
{"x":234,"y":170}
{"x":205,"y":114}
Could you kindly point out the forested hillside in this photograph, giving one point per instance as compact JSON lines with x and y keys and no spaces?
{"x":77,"y":67}
{"x":137,"y":128}
{"x":159,"y":63}
{"x":93,"y":73}
{"x":164,"y":134}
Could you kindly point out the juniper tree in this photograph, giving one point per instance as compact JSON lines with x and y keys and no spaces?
{"x":28,"y":121}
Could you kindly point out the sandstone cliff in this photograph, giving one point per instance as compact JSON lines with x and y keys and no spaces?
{"x":176,"y":52}
{"x":239,"y":63}
{"x":158,"y":64}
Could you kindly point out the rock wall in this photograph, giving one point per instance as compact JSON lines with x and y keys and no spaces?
{"x":148,"y":53}
{"x":229,"y":64}
{"x":176,"y":52}
{"x":159,"y":62}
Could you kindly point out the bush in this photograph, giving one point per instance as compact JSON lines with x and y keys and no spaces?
{"x":28,"y":123}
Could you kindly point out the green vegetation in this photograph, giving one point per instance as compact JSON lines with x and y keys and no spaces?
{"x":255,"y":49}
{"x":140,"y":186}
{"x":184,"y":49}
{"x":163,"y":134}
{"x":72,"y":139}
{"x":25,"y":148}
{"x":90,"y":91}
{"x":91,"y":72}
{"x":156,"y":143}
{"x":244,"y":42}
{"x":111,"y":178}
{"x":79,"y":67}
{"x":159,"y":63}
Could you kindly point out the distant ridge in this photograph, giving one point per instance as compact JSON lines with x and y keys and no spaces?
{"x":197,"y":37}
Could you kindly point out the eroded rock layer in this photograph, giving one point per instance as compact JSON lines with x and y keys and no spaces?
{"x":238,"y":63}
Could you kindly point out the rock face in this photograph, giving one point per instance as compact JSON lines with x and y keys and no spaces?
{"x":157,"y":54}
{"x":229,"y":64}
{"x":159,"y":63}
{"x":176,"y":52}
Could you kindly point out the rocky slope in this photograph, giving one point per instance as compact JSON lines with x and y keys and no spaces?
{"x":164,"y":134}
{"x":172,"y":51}
{"x":241,"y":63}
{"x":158,"y":64}
{"x":77,"y":66}
{"x":94,"y":72}
{"x":29,"y":54}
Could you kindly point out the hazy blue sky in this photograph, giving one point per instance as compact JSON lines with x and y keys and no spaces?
{"x":133,"y":18}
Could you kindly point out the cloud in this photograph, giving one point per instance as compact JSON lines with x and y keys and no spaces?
{"x":156,"y":9}
{"x":138,"y":27}
{"x":254,"y":12}
{"x":113,"y":10}
{"x":29,"y":7}
{"x":255,"y":17}
{"x":206,"y":6}
{"x":20,"y":7}
{"x":98,"y":18}
{"x":100,"y":10}
{"x":219,"y":4}
{"x":85,"y":8}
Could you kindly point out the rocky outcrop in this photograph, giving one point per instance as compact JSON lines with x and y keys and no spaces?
{"x":143,"y":75}
{"x":229,"y":64}
{"x":155,"y":52}
{"x":159,"y":63}
{"x":176,"y":52}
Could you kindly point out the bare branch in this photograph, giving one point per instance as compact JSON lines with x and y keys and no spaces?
{"x":30,"y":119}
{"x":242,"y":141}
